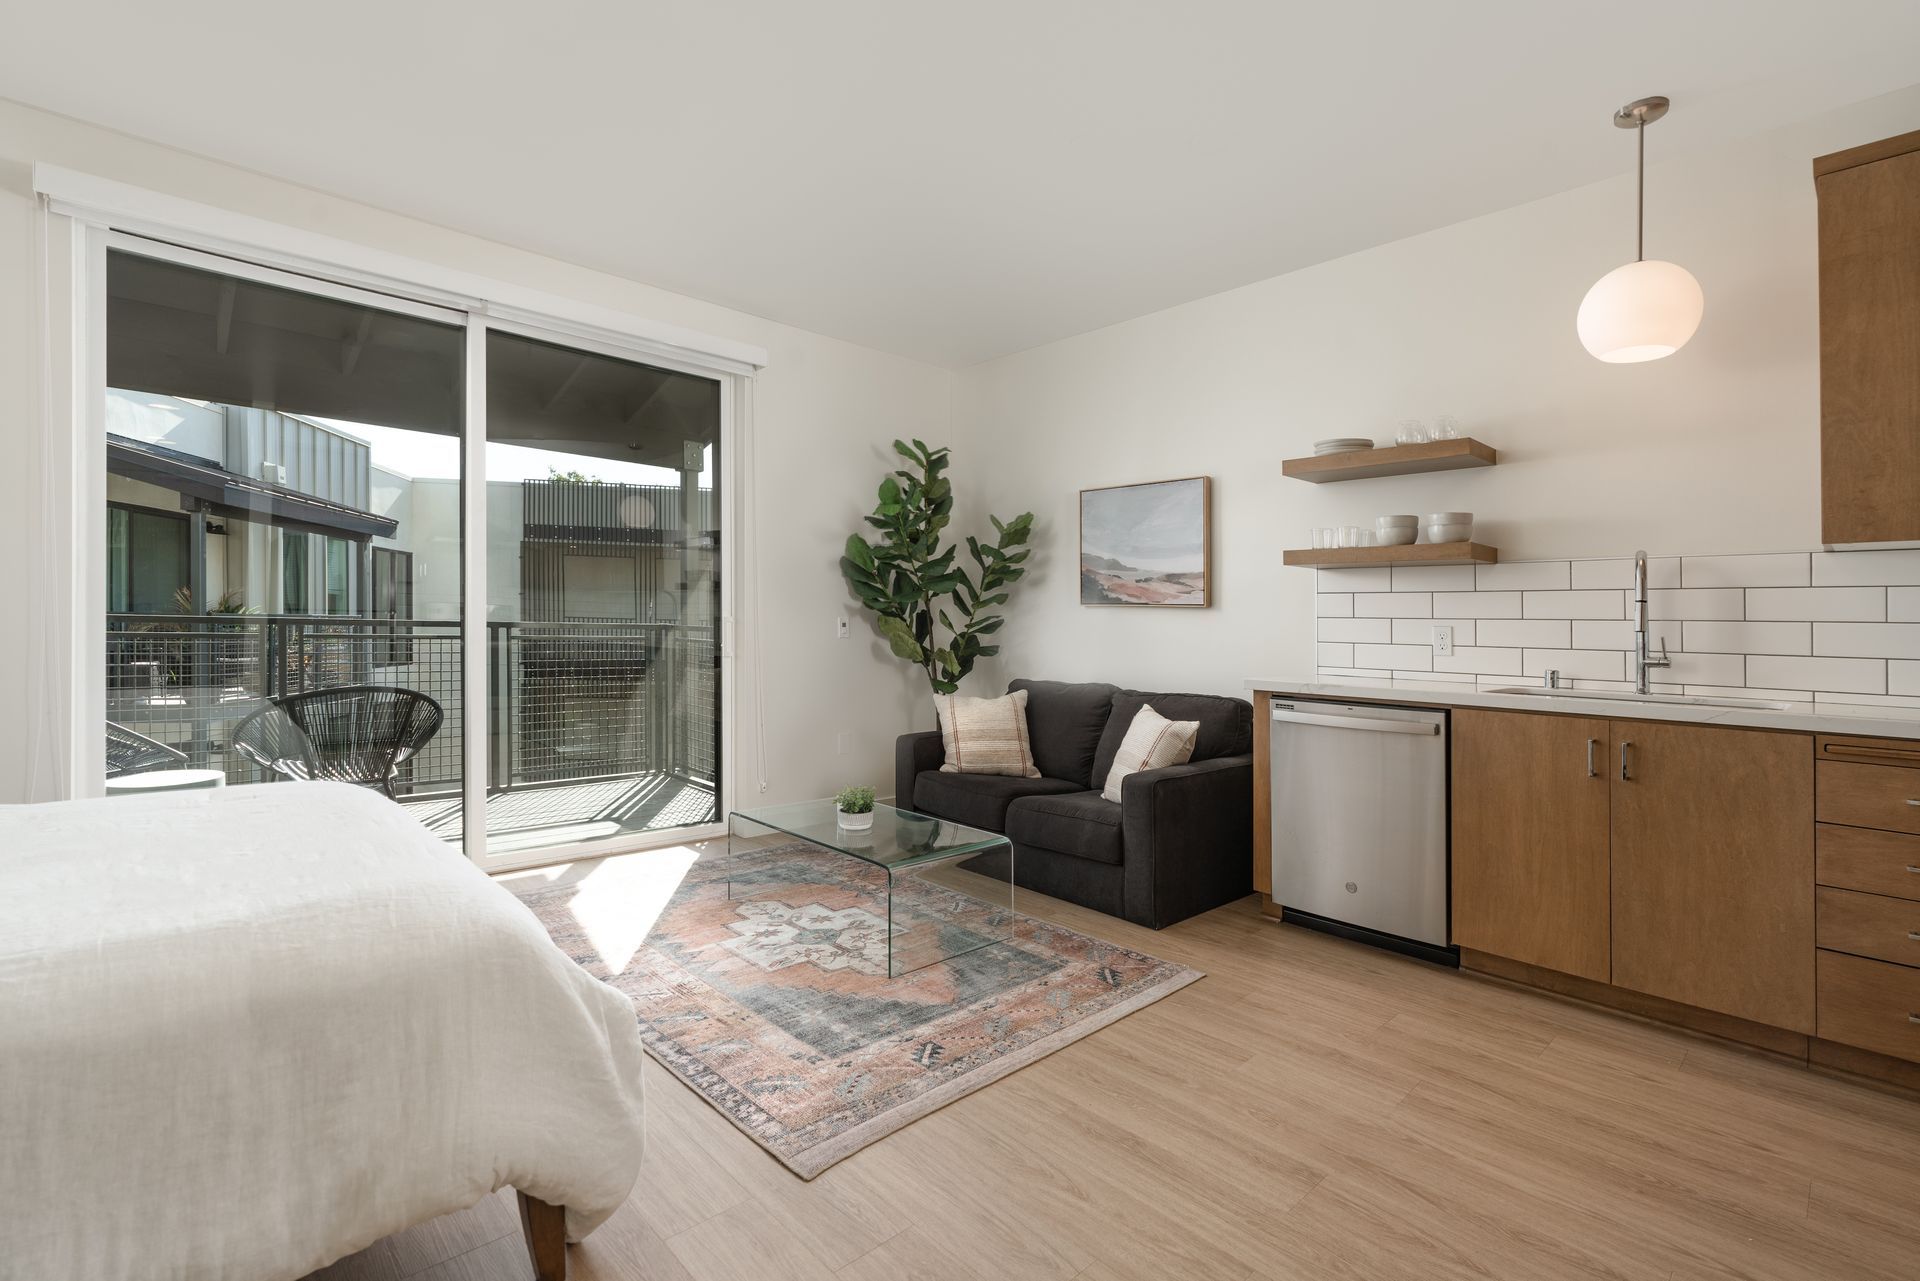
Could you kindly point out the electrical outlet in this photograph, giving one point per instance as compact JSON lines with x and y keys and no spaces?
{"x":1442,"y":641}
{"x":841,"y":630}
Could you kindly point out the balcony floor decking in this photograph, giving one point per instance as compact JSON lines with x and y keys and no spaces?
{"x":528,"y":818}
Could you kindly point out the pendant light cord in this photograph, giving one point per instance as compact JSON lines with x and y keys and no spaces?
{"x":1640,"y":196}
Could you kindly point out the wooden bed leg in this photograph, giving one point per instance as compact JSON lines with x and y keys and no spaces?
{"x":545,"y":1229}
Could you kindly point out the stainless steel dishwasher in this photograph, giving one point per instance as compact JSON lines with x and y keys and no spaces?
{"x":1360,"y":822}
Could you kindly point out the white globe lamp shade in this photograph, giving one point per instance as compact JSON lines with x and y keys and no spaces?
{"x":1642,"y":311}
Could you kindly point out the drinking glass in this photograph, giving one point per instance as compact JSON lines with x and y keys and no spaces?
{"x":1349,"y":535}
{"x":1446,"y":428}
{"x":1412,"y":432}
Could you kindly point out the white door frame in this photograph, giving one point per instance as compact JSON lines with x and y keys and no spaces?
{"x":79,"y":219}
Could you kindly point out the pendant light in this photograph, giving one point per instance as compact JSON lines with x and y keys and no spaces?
{"x":1644,"y":310}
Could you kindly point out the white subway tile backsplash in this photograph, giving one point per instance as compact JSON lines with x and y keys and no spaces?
{"x":1704,"y":669}
{"x":1414,"y":658}
{"x":1575,"y":604}
{"x":1867,"y":640}
{"x":1591,"y":575}
{"x":1445,"y":678}
{"x":1521,"y":633}
{"x":1523,"y":575}
{"x":1864,"y":700}
{"x":1818,"y":604}
{"x":1480,"y":660}
{"x":1375,"y":631}
{"x":1850,"y":675}
{"x":1433,"y":578}
{"x":1477,"y":604}
{"x":1575,"y":664}
{"x":1617,"y":633}
{"x":1419,"y":631}
{"x":1750,"y":638}
{"x":1393,"y":605}
{"x":1354,"y":578}
{"x":1697,"y":603}
{"x":1866,"y":569}
{"x":1789,"y":570}
{"x":1843,"y":627}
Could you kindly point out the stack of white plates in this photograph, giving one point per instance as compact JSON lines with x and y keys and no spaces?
{"x":1341,"y":445}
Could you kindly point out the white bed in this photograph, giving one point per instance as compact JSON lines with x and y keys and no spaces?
{"x":247,"y":1031}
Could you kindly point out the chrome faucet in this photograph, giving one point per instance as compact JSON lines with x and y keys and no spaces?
{"x":1642,"y":664}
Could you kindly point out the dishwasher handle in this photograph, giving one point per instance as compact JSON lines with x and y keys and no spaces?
{"x":1375,"y":724}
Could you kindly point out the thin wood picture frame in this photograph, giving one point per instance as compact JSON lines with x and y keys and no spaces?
{"x":1143,"y":539}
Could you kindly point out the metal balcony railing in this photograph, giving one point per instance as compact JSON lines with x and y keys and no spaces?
{"x":568,"y":702}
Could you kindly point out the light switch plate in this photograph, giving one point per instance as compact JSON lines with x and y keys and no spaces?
{"x":840,"y":628}
{"x":1442,"y":641}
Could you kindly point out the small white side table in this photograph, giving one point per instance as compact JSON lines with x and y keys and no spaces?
{"x":166,"y":780}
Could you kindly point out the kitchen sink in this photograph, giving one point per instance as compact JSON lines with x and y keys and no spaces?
{"x":1622,"y":696}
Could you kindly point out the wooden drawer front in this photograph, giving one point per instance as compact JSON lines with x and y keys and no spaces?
{"x":1869,"y":796}
{"x":1854,"y":858}
{"x":1868,"y":925}
{"x":1870,"y":1004}
{"x":1901,"y":752}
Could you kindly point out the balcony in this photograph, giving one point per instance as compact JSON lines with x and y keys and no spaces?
{"x":593,"y":728}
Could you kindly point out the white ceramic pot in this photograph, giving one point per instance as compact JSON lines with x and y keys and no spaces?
{"x":853,"y":822}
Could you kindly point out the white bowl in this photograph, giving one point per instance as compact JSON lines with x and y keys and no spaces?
{"x":1394,"y":537}
{"x":1396,"y":522}
{"x":1448,"y":533}
{"x":1448,"y":518}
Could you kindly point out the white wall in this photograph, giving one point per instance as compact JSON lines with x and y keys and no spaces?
{"x":1713,"y":450}
{"x":823,"y":410}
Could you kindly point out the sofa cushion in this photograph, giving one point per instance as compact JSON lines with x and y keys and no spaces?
{"x":1226,"y":724}
{"x":1083,"y":824}
{"x":978,"y":800}
{"x":1151,"y":742}
{"x":985,"y":735}
{"x":1064,"y":723}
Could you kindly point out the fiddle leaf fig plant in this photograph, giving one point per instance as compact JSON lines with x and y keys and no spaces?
{"x":934,"y":610}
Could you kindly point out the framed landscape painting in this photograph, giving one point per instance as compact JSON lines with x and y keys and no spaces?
{"x":1148,"y":544}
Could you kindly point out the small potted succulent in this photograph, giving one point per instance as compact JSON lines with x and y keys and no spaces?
{"x":854,"y":808}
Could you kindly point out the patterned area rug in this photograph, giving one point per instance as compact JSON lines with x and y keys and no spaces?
{"x":776,"y":1007}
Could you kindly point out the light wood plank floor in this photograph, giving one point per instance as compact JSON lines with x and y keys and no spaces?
{"x":1311,"y":1109}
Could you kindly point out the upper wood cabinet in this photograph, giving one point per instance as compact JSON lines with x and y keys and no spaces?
{"x":1530,"y":839}
{"x":1870,"y":342}
{"x":1713,"y":869}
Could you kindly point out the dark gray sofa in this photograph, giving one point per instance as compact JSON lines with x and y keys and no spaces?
{"x":1178,"y":842}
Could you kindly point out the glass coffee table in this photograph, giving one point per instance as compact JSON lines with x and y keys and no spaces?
{"x":917,"y":922}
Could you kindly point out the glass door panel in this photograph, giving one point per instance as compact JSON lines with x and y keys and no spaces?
{"x":267,"y":438}
{"x":603,"y":595}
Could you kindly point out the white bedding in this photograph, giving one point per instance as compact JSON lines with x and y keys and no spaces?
{"x":244,"y":1032}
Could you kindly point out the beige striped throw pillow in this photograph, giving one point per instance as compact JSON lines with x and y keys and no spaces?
{"x":1152,"y":742}
{"x":985,"y":735}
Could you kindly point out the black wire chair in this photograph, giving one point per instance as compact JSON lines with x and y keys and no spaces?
{"x":131,"y":753}
{"x":351,"y":734}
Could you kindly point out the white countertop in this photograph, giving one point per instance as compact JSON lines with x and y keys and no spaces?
{"x":1823,"y":718}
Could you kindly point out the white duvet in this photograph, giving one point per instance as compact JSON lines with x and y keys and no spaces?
{"x":244,"y":1032}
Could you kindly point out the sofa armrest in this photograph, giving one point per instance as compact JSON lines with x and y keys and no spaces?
{"x":913,"y":755}
{"x":1188,"y":837}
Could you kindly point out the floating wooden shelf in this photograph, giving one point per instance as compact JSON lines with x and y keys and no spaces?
{"x":1395,"y":460}
{"x":1411,"y":554}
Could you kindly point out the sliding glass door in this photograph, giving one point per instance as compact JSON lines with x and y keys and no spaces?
{"x":603,"y":594}
{"x":289,"y":472}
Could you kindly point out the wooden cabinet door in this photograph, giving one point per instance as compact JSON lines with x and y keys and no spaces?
{"x":1530,"y":839}
{"x":1713,"y":869}
{"x":1870,"y":350}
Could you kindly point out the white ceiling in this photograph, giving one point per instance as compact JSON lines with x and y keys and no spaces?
{"x":951,"y":181}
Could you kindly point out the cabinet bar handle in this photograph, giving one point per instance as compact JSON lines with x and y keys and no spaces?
{"x":1913,"y":1018}
{"x":1913,"y":869}
{"x":1873,"y":753}
{"x":1913,"y":800}
{"x":1625,"y":743}
{"x":1592,"y":772}
{"x":1914,"y":935}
